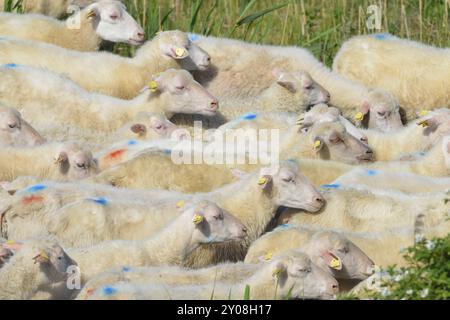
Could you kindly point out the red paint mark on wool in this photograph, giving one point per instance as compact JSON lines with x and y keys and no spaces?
{"x":31,"y":199}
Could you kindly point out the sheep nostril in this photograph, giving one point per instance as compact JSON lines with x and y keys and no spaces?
{"x":369,"y":152}
{"x":214,"y":104}
{"x":81,"y":165}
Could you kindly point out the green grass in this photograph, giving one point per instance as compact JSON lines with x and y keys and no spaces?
{"x":319,"y":25}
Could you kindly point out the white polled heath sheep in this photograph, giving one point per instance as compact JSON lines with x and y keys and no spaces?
{"x":366,"y":179}
{"x":52,"y":100}
{"x":289,"y":92}
{"x":15,"y":131}
{"x":34,"y":265}
{"x":383,"y":247}
{"x":84,"y":31}
{"x":241,"y":78}
{"x":366,"y":211}
{"x":53,"y":8}
{"x":414,"y":72}
{"x":104,"y":72}
{"x":58,"y":161}
{"x":292,"y":276}
{"x":202,"y":223}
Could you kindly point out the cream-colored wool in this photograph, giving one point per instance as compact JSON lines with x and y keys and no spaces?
{"x":84,"y":31}
{"x":57,"y":161}
{"x":414,"y":72}
{"x":104,"y":72}
{"x":62,"y":110}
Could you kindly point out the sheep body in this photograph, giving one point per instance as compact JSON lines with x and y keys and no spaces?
{"x":412,"y":71}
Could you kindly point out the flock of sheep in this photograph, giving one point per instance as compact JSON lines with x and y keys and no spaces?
{"x":93,"y":207}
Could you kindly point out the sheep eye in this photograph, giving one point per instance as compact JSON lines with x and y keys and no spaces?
{"x":335,"y":141}
{"x":181,"y":88}
{"x":381,"y":114}
{"x":59,"y":258}
{"x":12,"y":126}
{"x":308,"y":87}
{"x":114,"y":17}
{"x":305,"y":270}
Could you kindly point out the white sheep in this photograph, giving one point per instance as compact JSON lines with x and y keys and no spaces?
{"x":293,"y":276}
{"x":104,"y":72}
{"x":243,"y":77}
{"x":383,"y":247}
{"x":53,"y":8}
{"x":366,"y":179}
{"x":15,"y":131}
{"x":62,"y":110}
{"x":58,"y":161}
{"x":364,"y":211}
{"x":35,"y":265}
{"x":414,"y":72}
{"x":84,"y":31}
{"x":289,"y":92}
{"x":203,"y":223}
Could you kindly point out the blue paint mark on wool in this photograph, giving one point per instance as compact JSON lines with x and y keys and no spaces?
{"x":108,"y":291}
{"x":126,"y":269}
{"x":284,"y":226}
{"x":36,"y":188}
{"x":132,"y":142}
{"x":167,"y":151}
{"x":249,"y":116}
{"x":331,"y":186}
{"x":193,"y":37}
{"x":381,"y":36}
{"x":372,"y":172}
{"x":100,"y":201}
{"x":11,"y":65}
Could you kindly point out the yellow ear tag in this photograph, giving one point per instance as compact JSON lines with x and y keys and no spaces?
{"x":268,"y":256}
{"x":317,"y":144}
{"x":180,"y":204}
{"x":262,"y":181}
{"x":180,"y":52}
{"x":153,"y":85}
{"x":359,"y":116}
{"x":276,"y":271}
{"x":335,"y":264}
{"x":423,"y":113}
{"x":10,"y":242}
{"x":91,"y":14}
{"x":198,"y":219}
{"x":423,"y":123}
{"x":44,"y":255}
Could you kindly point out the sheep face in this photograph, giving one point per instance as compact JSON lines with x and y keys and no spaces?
{"x":298,"y":277}
{"x":183,"y":94}
{"x":341,"y":257}
{"x":76,"y":163}
{"x":14,"y":131}
{"x":290,"y":188}
{"x":176,"y":45}
{"x":383,"y":111}
{"x":149,"y":125}
{"x":302,"y":87}
{"x":322,"y":113}
{"x":436,"y":126}
{"x":213,"y":224}
{"x":112,"y":22}
{"x":331,"y":141}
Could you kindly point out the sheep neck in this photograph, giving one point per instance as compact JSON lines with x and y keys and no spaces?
{"x":150,"y":102}
{"x":174,"y":243}
{"x":253,"y":206}
{"x":432,"y":164}
{"x":278,"y":98}
{"x":85,"y":37}
{"x":151,"y":60}
{"x":262,"y":285}
{"x":296,"y":145}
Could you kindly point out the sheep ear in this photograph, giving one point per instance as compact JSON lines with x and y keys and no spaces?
{"x":287,"y":84}
{"x":265,"y":182}
{"x":332,"y":260}
{"x":365,"y":108}
{"x":318,"y":144}
{"x":175,"y":52}
{"x":199,"y":218}
{"x":41,"y":257}
{"x":279,"y":269}
{"x":139,"y":129}
{"x":62,"y":158}
{"x":12,"y":245}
